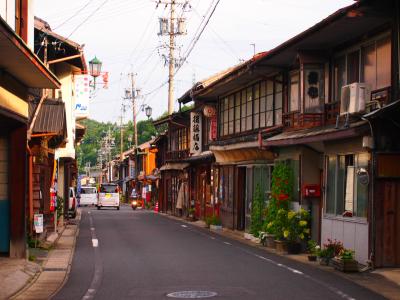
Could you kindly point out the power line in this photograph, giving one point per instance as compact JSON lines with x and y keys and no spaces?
{"x":74,"y":15}
{"x":87,"y":18}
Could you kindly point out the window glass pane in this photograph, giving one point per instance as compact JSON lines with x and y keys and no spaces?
{"x":225,"y":103}
{"x":226,"y":129}
{"x":369,"y":65}
{"x":314,"y":89}
{"x":330,"y":185}
{"x":278,"y":100}
{"x":270,"y":87}
{"x":341,"y":180}
{"x":249,"y":94}
{"x":237,"y":126}
{"x":383,"y":63}
{"x":256,"y":105}
{"x":262,"y":104}
{"x":278,"y":116}
{"x":231,"y":115}
{"x":231,"y":100}
{"x":243,"y":124}
{"x":230,"y":126}
{"x":221,"y":128}
{"x":243,"y":113}
{"x":278,"y":84}
{"x":270,"y":118}
{"x":249,"y":108}
{"x":256,"y":120}
{"x":257,"y":91}
{"x":262,"y":119}
{"x":270,"y":102}
{"x":294,"y":92}
{"x":243,"y":96}
{"x":340,"y":76}
{"x":262,"y":90}
{"x":353,"y":67}
{"x":226,"y":116}
{"x":362,"y":189}
{"x":237,"y":112}
{"x":349,"y":193}
{"x":237,"y":99}
{"x":249,"y":124}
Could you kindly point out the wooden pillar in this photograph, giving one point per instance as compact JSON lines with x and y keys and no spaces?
{"x":18,"y":174}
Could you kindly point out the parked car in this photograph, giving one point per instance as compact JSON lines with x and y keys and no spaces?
{"x":108,"y":196}
{"x":88,"y":196}
{"x":72,"y":203}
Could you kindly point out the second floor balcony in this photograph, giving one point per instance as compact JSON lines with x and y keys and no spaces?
{"x":177,"y":154}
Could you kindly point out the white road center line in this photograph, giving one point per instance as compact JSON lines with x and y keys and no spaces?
{"x":185,"y":226}
{"x":95,"y":242}
{"x":227,"y":243}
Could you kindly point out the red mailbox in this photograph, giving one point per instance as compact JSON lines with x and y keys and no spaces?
{"x":311,"y":190}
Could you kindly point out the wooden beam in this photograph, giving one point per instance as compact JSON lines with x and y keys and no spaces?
{"x":54,"y":61}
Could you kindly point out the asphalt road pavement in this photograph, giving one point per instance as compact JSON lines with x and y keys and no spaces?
{"x":138,"y":254}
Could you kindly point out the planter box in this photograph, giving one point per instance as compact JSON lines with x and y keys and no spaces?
{"x":345,"y":265}
{"x":216,"y":227}
{"x":294,"y":248}
{"x":281,"y":246}
{"x":270,"y":241}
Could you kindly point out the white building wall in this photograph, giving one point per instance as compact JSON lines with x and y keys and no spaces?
{"x":353,"y":234}
{"x":31,"y":25}
{"x":7,"y":12}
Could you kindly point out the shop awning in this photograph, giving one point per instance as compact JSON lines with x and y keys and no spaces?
{"x":174,"y":166}
{"x":51,"y":118}
{"x":18,"y":60}
{"x":203,"y":156}
{"x":319,"y":134}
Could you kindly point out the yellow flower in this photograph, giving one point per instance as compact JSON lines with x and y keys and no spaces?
{"x":301,"y":236}
{"x":303,"y":223}
{"x":306,"y":230}
{"x":286,"y":233}
{"x":270,"y":224}
{"x":291,"y":214}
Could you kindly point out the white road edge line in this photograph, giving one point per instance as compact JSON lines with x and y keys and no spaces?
{"x":185,"y":226}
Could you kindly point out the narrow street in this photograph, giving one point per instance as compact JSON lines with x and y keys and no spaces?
{"x":141,"y":255}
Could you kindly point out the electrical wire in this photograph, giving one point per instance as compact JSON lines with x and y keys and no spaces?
{"x":74,"y":15}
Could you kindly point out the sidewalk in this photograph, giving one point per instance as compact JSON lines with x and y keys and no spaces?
{"x":55,"y":267}
{"x":382,"y":281}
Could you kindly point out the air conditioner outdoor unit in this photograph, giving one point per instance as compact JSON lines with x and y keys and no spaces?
{"x":354,"y":98}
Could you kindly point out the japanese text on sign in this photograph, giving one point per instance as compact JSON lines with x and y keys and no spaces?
{"x":195,"y":133}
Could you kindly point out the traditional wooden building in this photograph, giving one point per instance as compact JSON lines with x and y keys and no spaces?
{"x":21,"y":71}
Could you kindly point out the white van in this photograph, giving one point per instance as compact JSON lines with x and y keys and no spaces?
{"x":88,"y":196}
{"x":108,"y":196}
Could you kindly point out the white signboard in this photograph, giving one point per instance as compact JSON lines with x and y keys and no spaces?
{"x":195,"y":133}
{"x":38,"y":223}
{"x":82,"y":95}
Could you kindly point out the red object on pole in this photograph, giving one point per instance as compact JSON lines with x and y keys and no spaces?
{"x":156,"y":207}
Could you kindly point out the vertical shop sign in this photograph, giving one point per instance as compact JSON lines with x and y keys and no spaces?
{"x":195,"y":133}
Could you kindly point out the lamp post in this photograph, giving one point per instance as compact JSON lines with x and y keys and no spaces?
{"x":148,"y":111}
{"x":95,"y":69}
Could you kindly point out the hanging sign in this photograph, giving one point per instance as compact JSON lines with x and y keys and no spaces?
{"x":82,"y":95}
{"x":209,"y":111}
{"x":38,"y":223}
{"x":213,"y":128}
{"x":195,"y":133}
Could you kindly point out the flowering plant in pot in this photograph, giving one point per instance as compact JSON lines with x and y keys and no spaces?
{"x":296,"y":230}
{"x":330,"y":249}
{"x":313,"y":250}
{"x":280,"y":224}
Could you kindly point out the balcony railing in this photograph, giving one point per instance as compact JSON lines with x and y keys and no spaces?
{"x":179,"y":154}
{"x":296,"y":119}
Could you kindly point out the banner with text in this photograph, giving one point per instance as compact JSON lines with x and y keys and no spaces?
{"x":195,"y":133}
{"x":82,"y":95}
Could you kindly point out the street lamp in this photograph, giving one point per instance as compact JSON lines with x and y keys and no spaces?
{"x":148,"y":110}
{"x":95,"y":67}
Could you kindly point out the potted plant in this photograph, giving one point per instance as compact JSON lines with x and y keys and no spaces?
{"x":313,"y":249}
{"x":297,"y":230}
{"x":257,"y":208}
{"x":269,"y":239}
{"x":345,"y":261}
{"x":215,"y":223}
{"x":330,"y":249}
{"x":280,"y":225}
{"x":191,"y":212}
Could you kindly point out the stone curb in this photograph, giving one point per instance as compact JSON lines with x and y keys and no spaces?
{"x":373,"y":284}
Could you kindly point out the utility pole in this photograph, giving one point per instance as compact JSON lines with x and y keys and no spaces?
{"x":172,"y":27}
{"x":171,"y":60}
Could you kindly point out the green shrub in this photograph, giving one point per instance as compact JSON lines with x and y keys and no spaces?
{"x":257,"y":209}
{"x":213,"y":220}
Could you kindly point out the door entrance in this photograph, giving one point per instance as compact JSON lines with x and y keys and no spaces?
{"x":4,"y":199}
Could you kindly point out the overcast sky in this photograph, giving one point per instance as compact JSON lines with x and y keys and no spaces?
{"x":123,"y":35}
